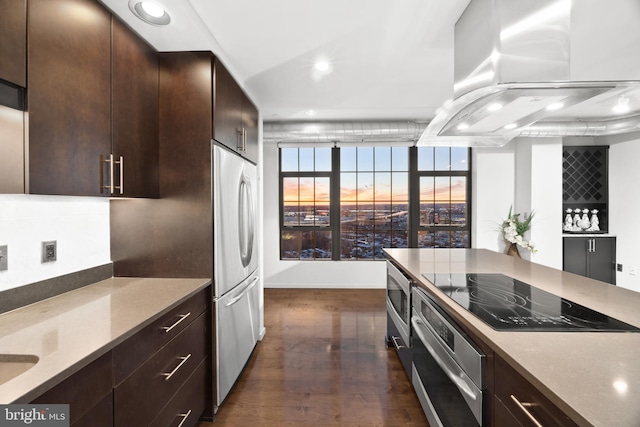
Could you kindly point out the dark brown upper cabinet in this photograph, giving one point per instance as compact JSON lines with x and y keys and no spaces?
{"x":134,"y":97}
{"x":80,"y":142}
{"x":69,"y":59}
{"x":13,"y":41}
{"x":235,"y":118}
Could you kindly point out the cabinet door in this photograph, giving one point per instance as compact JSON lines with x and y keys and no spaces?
{"x":574,"y":259}
{"x":250,"y":127}
{"x":602,"y":259}
{"x":69,"y":96}
{"x":134,"y":87}
{"x":227,"y":107}
{"x":13,"y":41}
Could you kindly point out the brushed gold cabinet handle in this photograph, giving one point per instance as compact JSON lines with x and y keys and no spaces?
{"x":184,"y":417}
{"x":523,"y":407}
{"x":183,"y":360}
{"x":182,"y":317}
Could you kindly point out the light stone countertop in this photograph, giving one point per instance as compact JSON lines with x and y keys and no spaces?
{"x":594,"y":377}
{"x":69,"y":331}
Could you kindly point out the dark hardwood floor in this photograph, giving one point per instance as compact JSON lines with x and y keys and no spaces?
{"x":323,"y":362}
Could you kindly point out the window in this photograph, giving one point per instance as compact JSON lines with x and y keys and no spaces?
{"x":305,"y":189}
{"x":349,"y":203}
{"x":374,"y":200}
{"x":444,"y":188}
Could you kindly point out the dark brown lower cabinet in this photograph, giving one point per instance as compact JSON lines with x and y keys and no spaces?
{"x":140,"y":397}
{"x":160,"y":376}
{"x":518,"y":403}
{"x":593,"y":257}
{"x":87,"y":392}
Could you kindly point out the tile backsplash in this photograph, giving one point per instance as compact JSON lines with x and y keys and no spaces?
{"x":79,"y":225}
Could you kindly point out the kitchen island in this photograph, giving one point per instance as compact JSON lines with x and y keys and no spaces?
{"x":592,"y":377}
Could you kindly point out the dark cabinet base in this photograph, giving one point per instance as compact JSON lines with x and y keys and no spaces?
{"x":593,"y":257}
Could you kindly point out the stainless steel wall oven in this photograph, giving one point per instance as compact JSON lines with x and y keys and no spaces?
{"x":399,"y":315}
{"x":448,"y":372}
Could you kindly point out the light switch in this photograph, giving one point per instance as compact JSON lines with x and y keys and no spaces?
{"x":49,"y":251}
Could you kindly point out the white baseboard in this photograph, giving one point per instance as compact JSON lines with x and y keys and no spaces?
{"x":324,"y":285}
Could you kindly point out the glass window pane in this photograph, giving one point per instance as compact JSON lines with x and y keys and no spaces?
{"x":399,"y":239}
{"x":290,"y":245}
{"x":426,"y":239}
{"x":306,"y":160}
{"x":459,"y":200}
{"x":365,"y":159}
{"x":289,"y":162}
{"x":322,"y":190}
{"x":425,"y":158}
{"x":400,"y":158}
{"x":443,"y":199}
{"x":443,"y":239}
{"x":307,"y":247}
{"x":459,"y":158}
{"x":428,"y":214}
{"x":383,"y":187}
{"x":400,"y":216}
{"x":348,"y":187}
{"x":290,"y":189}
{"x":377,"y":244}
{"x":442,"y":159}
{"x":400,"y":186}
{"x":323,"y":159}
{"x":322,"y":245}
{"x":291,"y":214}
{"x":365,"y":187}
{"x":348,"y":159}
{"x":460,"y":239}
{"x":306,"y":189}
{"x":382,"y":159}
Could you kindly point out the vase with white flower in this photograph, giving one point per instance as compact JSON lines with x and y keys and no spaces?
{"x":513,"y":230}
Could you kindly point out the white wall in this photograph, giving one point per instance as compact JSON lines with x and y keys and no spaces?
{"x":525,"y":174}
{"x":493,"y":193}
{"x":80,"y":225}
{"x":624,"y":204}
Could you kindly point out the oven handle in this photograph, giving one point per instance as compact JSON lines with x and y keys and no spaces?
{"x":459,"y":382}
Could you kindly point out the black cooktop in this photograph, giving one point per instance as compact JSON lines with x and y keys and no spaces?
{"x":505,"y":303}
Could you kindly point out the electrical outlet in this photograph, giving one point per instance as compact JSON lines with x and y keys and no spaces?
{"x":49,"y":251}
{"x":632,"y":271}
{"x":4,"y":258}
{"x":619,"y":267}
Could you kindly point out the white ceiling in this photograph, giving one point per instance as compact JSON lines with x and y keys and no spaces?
{"x":392,"y":59}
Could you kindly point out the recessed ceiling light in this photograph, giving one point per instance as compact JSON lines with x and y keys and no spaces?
{"x":494,"y":106}
{"x":463,"y":126}
{"x":150,"y":12}
{"x":622,"y":106}
{"x":510,"y":126}
{"x":555,"y":106}
{"x":310,"y":113}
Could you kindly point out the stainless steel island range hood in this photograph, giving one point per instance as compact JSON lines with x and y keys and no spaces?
{"x":542,"y":68}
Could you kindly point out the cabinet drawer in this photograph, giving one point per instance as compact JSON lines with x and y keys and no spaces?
{"x":83,"y":390}
{"x":188,"y":403}
{"x":132,"y":353}
{"x":145,"y":392}
{"x":523,"y":401}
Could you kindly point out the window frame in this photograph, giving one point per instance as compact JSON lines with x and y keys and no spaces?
{"x":414,"y":226}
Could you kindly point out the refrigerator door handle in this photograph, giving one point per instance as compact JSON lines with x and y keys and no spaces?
{"x":244,"y":292}
{"x":246,"y":229}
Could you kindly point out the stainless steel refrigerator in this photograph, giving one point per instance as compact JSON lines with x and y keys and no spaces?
{"x":235,"y":269}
